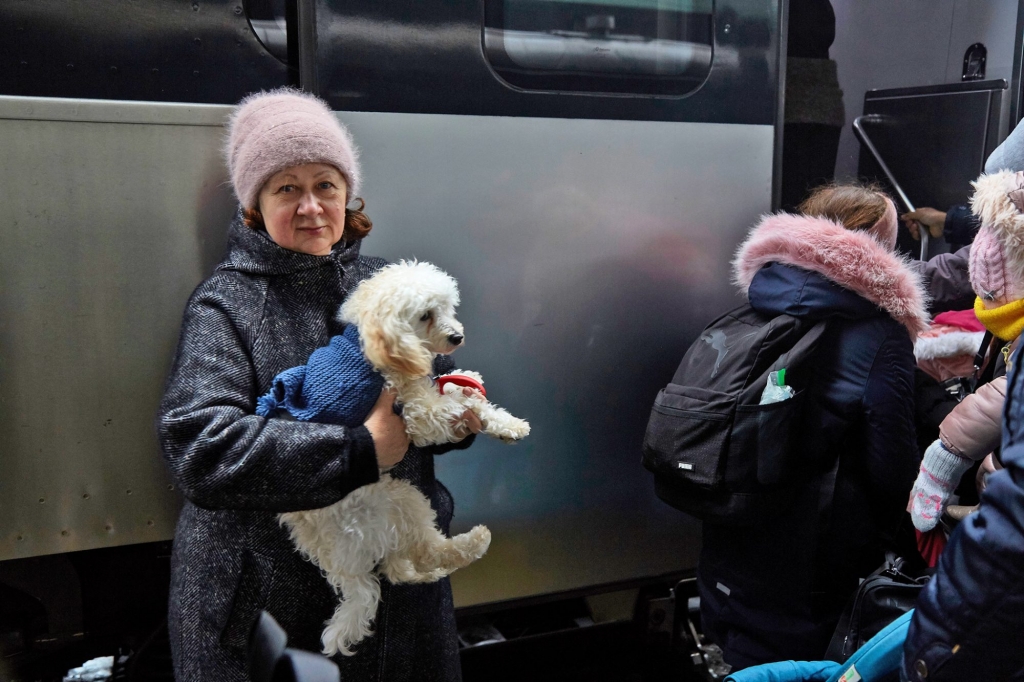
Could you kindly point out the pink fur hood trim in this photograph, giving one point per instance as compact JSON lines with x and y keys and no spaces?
{"x":853,"y":260}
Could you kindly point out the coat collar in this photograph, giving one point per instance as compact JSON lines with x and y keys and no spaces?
{"x":851,"y":259}
{"x":253,"y":252}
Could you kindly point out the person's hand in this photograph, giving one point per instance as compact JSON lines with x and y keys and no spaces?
{"x":468,"y":422}
{"x":989,"y":466}
{"x":387,"y":430}
{"x":931,"y":218}
{"x":940,"y":472}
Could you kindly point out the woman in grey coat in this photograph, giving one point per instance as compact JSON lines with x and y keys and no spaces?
{"x":293,"y":256}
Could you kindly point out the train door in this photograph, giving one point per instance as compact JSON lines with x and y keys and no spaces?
{"x":584,"y":169}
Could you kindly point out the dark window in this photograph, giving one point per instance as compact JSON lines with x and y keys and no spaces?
{"x":643,"y":47}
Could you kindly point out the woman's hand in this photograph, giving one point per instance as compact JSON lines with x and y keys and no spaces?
{"x":387,"y":430}
{"x":468,"y":422}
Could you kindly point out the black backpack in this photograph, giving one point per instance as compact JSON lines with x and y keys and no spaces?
{"x":715,"y":452}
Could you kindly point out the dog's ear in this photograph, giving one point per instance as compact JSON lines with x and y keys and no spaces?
{"x":395,"y":347}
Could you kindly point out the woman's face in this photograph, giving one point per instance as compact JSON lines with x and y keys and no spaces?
{"x":303,"y":207}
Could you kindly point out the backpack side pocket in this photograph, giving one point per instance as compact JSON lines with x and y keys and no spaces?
{"x":687,"y":435}
{"x":763,"y":450}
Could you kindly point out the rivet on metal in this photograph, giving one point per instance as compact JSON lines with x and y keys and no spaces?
{"x":195,"y":6}
{"x":129,"y":491}
{"x":42,"y":500}
{"x":150,"y":522}
{"x":85,"y":496}
{"x":238,"y":10}
{"x":65,"y":533}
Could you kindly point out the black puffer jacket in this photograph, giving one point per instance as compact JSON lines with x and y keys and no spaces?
{"x":265,"y":309}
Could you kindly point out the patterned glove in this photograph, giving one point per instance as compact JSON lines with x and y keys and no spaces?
{"x":940,"y":472}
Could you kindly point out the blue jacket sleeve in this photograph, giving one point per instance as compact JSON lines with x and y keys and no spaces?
{"x":787,"y":671}
{"x":892,"y":456}
{"x":961,"y":225}
{"x":970,"y":616}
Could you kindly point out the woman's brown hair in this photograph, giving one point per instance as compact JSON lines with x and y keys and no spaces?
{"x":855,"y":207}
{"x":357,"y":224}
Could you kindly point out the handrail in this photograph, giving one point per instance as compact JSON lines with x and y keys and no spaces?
{"x":862,"y":135}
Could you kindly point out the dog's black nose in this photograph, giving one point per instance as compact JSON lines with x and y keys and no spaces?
{"x":455,"y":339}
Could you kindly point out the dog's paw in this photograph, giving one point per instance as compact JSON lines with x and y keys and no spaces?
{"x":474,"y":542}
{"x":514,"y":432}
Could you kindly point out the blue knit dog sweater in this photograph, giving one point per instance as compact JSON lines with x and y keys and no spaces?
{"x":336,"y":386}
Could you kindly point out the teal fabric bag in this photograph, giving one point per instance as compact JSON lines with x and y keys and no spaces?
{"x":877,"y":661}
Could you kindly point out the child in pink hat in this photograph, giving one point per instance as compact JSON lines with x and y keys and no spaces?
{"x":972,"y":431}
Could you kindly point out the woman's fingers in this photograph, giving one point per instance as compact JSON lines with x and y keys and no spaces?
{"x":914,"y":228}
{"x":387,"y":430}
{"x":472,"y":421}
{"x":466,"y":423}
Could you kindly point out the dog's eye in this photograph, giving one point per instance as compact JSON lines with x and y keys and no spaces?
{"x":426,"y":316}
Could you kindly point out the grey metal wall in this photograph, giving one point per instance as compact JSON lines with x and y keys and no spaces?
{"x":112,"y":212}
{"x":589,"y":254}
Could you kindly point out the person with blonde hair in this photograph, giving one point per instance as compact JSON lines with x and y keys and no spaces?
{"x":775,"y":590}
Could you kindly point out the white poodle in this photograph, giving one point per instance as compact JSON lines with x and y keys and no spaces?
{"x":405,"y":314}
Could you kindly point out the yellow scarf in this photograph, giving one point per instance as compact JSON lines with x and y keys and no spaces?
{"x":1006,"y":322}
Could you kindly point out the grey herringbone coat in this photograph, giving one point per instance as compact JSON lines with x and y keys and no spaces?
{"x":265,"y":309}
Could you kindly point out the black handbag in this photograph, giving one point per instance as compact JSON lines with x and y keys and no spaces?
{"x":884,"y":596}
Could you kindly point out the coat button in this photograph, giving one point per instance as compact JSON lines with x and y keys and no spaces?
{"x":921,"y":668}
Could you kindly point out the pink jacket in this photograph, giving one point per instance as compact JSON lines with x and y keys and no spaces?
{"x":974,"y":427}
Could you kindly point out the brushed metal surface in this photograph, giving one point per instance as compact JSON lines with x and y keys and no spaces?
{"x":113,"y":212}
{"x":589,"y":253}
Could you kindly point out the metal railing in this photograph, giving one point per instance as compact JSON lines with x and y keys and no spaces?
{"x":865,"y":139}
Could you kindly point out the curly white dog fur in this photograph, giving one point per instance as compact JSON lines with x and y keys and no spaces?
{"x":406,"y":316}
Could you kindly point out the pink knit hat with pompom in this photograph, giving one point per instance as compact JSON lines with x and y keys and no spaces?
{"x":996,"y":264}
{"x":271,"y":131}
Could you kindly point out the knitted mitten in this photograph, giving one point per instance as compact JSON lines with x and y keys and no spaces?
{"x":940,"y":472}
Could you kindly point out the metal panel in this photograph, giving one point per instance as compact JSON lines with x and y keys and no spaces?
{"x":935,"y":139}
{"x":590,"y":253}
{"x":160,"y":50}
{"x":112,"y":213}
{"x":430,"y":56}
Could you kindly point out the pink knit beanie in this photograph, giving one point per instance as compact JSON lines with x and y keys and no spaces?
{"x":996,"y":265}
{"x":271,"y":131}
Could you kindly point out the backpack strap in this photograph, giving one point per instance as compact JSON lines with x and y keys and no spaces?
{"x":806,"y":344}
{"x":979,"y":362}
